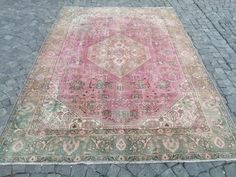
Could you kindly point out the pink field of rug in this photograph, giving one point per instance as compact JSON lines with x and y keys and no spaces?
{"x":118,"y":84}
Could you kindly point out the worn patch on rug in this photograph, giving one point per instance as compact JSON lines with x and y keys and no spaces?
{"x":118,"y":84}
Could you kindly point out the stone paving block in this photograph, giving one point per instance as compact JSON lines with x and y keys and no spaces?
{"x":204,"y":175}
{"x":217,"y":172}
{"x":134,"y":168}
{"x":147,"y":172}
{"x":53,"y":175}
{"x":229,"y":90}
{"x":231,"y":99}
{"x":3,"y":112}
{"x":230,"y":170}
{"x":233,"y":109}
{"x":219,"y":73}
{"x":63,"y":169}
{"x":193,"y":168}
{"x":101,"y":168}
{"x":170,"y":164}
{"x":5,"y":170}
{"x":91,"y":173}
{"x":158,"y":167}
{"x":22,"y":175}
{"x":180,"y":171}
{"x":6,"y":102}
{"x":206,"y":165}
{"x":18,"y":169}
{"x":2,"y":95}
{"x":168,"y":173}
{"x":33,"y":168}
{"x":113,"y":171}
{"x":123,"y":172}
{"x":233,"y":79}
{"x":122,"y":165}
{"x":78,"y":170}
{"x":10,"y":82}
{"x":48,"y":168}
{"x":38,"y":175}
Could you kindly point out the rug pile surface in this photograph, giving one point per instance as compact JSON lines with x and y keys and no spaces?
{"x":118,"y":84}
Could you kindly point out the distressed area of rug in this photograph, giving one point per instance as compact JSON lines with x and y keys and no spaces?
{"x":118,"y":84}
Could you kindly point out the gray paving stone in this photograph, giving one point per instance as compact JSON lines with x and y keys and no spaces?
{"x":180,"y":171}
{"x":79,"y":170}
{"x":204,"y":175}
{"x":38,"y":175}
{"x":123,"y":172}
{"x":3,"y":112}
{"x":122,"y":165}
{"x":230,"y":170}
{"x":91,"y":173}
{"x":158,"y":167}
{"x":101,"y":168}
{"x":135,"y":168}
{"x":22,"y":175}
{"x":33,"y":168}
{"x":193,"y":168}
{"x":6,"y":102}
{"x":53,"y":175}
{"x":217,"y":172}
{"x":168,"y":173}
{"x":170,"y":164}
{"x":63,"y":169}
{"x":206,"y":165}
{"x":232,"y":95}
{"x":218,"y":163}
{"x":113,"y":171}
{"x":48,"y":168}
{"x":18,"y":169}
{"x":147,"y":172}
{"x":5,"y":170}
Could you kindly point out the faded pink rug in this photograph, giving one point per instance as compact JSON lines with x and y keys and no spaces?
{"x":118,"y":84}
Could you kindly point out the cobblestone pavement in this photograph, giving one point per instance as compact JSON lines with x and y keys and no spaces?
{"x":24,"y":24}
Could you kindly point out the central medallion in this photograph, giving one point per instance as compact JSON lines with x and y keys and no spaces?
{"x":118,"y":54}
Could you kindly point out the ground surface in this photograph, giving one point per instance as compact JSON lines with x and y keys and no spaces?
{"x":24,"y":25}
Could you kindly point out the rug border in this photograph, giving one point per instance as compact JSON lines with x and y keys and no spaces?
{"x":211,"y":79}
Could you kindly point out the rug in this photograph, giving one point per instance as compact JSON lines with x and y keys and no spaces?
{"x":118,"y":84}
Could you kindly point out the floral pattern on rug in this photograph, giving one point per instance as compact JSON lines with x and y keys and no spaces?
{"x":118,"y":84}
